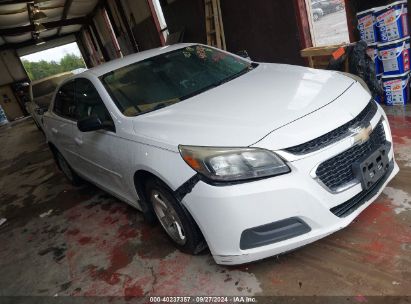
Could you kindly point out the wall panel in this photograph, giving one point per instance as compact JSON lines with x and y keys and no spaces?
{"x":142,"y":24}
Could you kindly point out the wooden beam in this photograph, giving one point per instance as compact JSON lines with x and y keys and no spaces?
{"x":112,"y":19}
{"x":93,"y":41}
{"x":80,"y":44}
{"x":66,"y":9}
{"x":99,"y":42}
{"x":22,"y":10}
{"x":303,"y":24}
{"x":127,"y":25}
{"x":352,"y":22}
{"x":30,"y":7}
{"x":49,"y":25}
{"x":156,"y":22}
{"x":99,"y":5}
{"x":5,"y":2}
{"x":29,"y":42}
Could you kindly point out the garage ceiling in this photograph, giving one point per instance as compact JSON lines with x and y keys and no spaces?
{"x":18,"y":23}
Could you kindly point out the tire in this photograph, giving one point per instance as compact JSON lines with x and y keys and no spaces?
{"x":174,"y":218}
{"x":68,"y":172}
{"x":316,"y":17}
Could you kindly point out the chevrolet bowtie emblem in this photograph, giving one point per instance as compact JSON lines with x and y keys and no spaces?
{"x":362,"y":134}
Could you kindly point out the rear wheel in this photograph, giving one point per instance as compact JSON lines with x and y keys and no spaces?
{"x":174,"y":218}
{"x":67,"y":171}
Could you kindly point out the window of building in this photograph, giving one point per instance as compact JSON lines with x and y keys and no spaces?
{"x":328,"y":22}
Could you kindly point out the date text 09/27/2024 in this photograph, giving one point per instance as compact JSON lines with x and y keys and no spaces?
{"x":200,"y":299}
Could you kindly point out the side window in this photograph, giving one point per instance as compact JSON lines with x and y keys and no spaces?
{"x":89,"y":102}
{"x":64,"y":103}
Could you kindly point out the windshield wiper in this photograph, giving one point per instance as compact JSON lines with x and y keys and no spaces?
{"x":234,"y":76}
{"x":218,"y":83}
{"x":213,"y":85}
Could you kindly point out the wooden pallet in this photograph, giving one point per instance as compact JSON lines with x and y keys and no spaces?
{"x":319,"y":57}
{"x":214,"y":24}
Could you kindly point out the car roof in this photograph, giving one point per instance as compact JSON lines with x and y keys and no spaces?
{"x":130,"y":59}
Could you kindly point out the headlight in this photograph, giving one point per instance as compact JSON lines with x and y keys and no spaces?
{"x":358,"y":79}
{"x":233,"y":164}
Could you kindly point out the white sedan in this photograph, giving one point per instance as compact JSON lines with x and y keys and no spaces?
{"x":249,"y":159}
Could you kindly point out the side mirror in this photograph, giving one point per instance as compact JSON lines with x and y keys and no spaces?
{"x":89,"y":124}
{"x":244,"y":54}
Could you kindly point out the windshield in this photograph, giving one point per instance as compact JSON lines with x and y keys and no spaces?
{"x":169,"y":78}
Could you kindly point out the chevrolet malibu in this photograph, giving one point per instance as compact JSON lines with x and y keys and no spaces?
{"x":250,"y":159}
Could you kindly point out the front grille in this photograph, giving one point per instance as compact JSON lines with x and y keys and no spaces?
{"x":337,"y":171}
{"x":357,"y":201}
{"x":316,"y":144}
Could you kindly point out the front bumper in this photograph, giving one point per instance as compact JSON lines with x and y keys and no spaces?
{"x":224,"y":213}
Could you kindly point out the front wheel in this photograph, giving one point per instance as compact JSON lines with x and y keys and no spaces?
{"x":174,"y":218}
{"x":67,"y":171}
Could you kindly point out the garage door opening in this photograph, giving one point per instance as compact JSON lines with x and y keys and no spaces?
{"x":53,"y":61}
{"x":328,"y":22}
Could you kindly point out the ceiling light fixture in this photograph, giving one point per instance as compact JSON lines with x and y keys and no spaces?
{"x":38,"y":28}
{"x":38,"y":14}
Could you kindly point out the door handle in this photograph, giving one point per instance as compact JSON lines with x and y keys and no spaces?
{"x":78,"y":141}
{"x":54,"y":130}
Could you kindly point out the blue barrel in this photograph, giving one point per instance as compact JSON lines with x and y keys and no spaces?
{"x":392,"y":21}
{"x":3,"y":117}
{"x":367,"y":26}
{"x":396,"y":89}
{"x":372,"y":51}
{"x":394,"y":56}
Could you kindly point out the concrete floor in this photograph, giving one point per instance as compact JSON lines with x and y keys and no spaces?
{"x":92,"y":244}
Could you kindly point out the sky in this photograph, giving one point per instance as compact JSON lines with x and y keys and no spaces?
{"x":54,"y":54}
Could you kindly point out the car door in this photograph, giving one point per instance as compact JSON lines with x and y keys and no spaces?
{"x":62,"y":121}
{"x":97,"y":157}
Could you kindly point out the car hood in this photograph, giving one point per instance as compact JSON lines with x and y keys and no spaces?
{"x":244,"y":110}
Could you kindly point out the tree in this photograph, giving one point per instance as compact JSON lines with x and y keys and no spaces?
{"x":42,"y":69}
{"x":71,"y":62}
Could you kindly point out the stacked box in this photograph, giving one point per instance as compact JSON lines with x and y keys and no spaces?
{"x":386,"y":31}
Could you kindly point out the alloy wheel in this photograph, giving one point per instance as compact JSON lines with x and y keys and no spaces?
{"x":168,"y":217}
